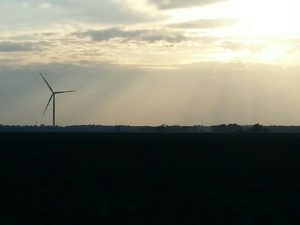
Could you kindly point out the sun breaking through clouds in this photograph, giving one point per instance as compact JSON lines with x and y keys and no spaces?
{"x":147,"y":48}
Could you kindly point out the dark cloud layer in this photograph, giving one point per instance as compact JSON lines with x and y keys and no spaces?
{"x":18,"y":47}
{"x":169,"y":4}
{"x":204,"y":24}
{"x":127,"y":35}
{"x":38,"y":13}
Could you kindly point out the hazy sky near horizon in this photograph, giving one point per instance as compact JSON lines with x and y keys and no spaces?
{"x":151,"y":62}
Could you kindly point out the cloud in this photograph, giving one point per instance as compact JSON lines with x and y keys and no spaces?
{"x":38,"y":13}
{"x":171,"y":4}
{"x":7,"y":46}
{"x":45,"y":5}
{"x":132,"y":35}
{"x":239,"y":46}
{"x":205,"y":24}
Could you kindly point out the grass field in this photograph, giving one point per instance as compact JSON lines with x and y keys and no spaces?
{"x":159,"y":179}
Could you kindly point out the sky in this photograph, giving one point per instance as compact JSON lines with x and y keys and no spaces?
{"x":151,"y":62}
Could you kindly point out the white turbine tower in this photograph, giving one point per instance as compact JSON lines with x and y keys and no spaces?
{"x":52,"y":97}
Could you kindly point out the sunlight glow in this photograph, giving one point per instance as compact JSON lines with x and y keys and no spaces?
{"x":267,"y":17}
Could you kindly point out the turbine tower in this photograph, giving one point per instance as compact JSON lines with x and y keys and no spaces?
{"x":52,"y":97}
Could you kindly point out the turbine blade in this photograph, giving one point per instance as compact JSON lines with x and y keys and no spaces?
{"x":46,"y":82}
{"x":48,"y":104}
{"x":62,"y":92}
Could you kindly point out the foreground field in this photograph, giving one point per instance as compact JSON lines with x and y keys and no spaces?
{"x":159,"y":179}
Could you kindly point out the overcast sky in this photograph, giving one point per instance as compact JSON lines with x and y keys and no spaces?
{"x":151,"y":62}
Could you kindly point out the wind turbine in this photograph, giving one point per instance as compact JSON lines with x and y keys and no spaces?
{"x":52,"y":97}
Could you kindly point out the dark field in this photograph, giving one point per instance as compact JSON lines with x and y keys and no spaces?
{"x":159,"y":179}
